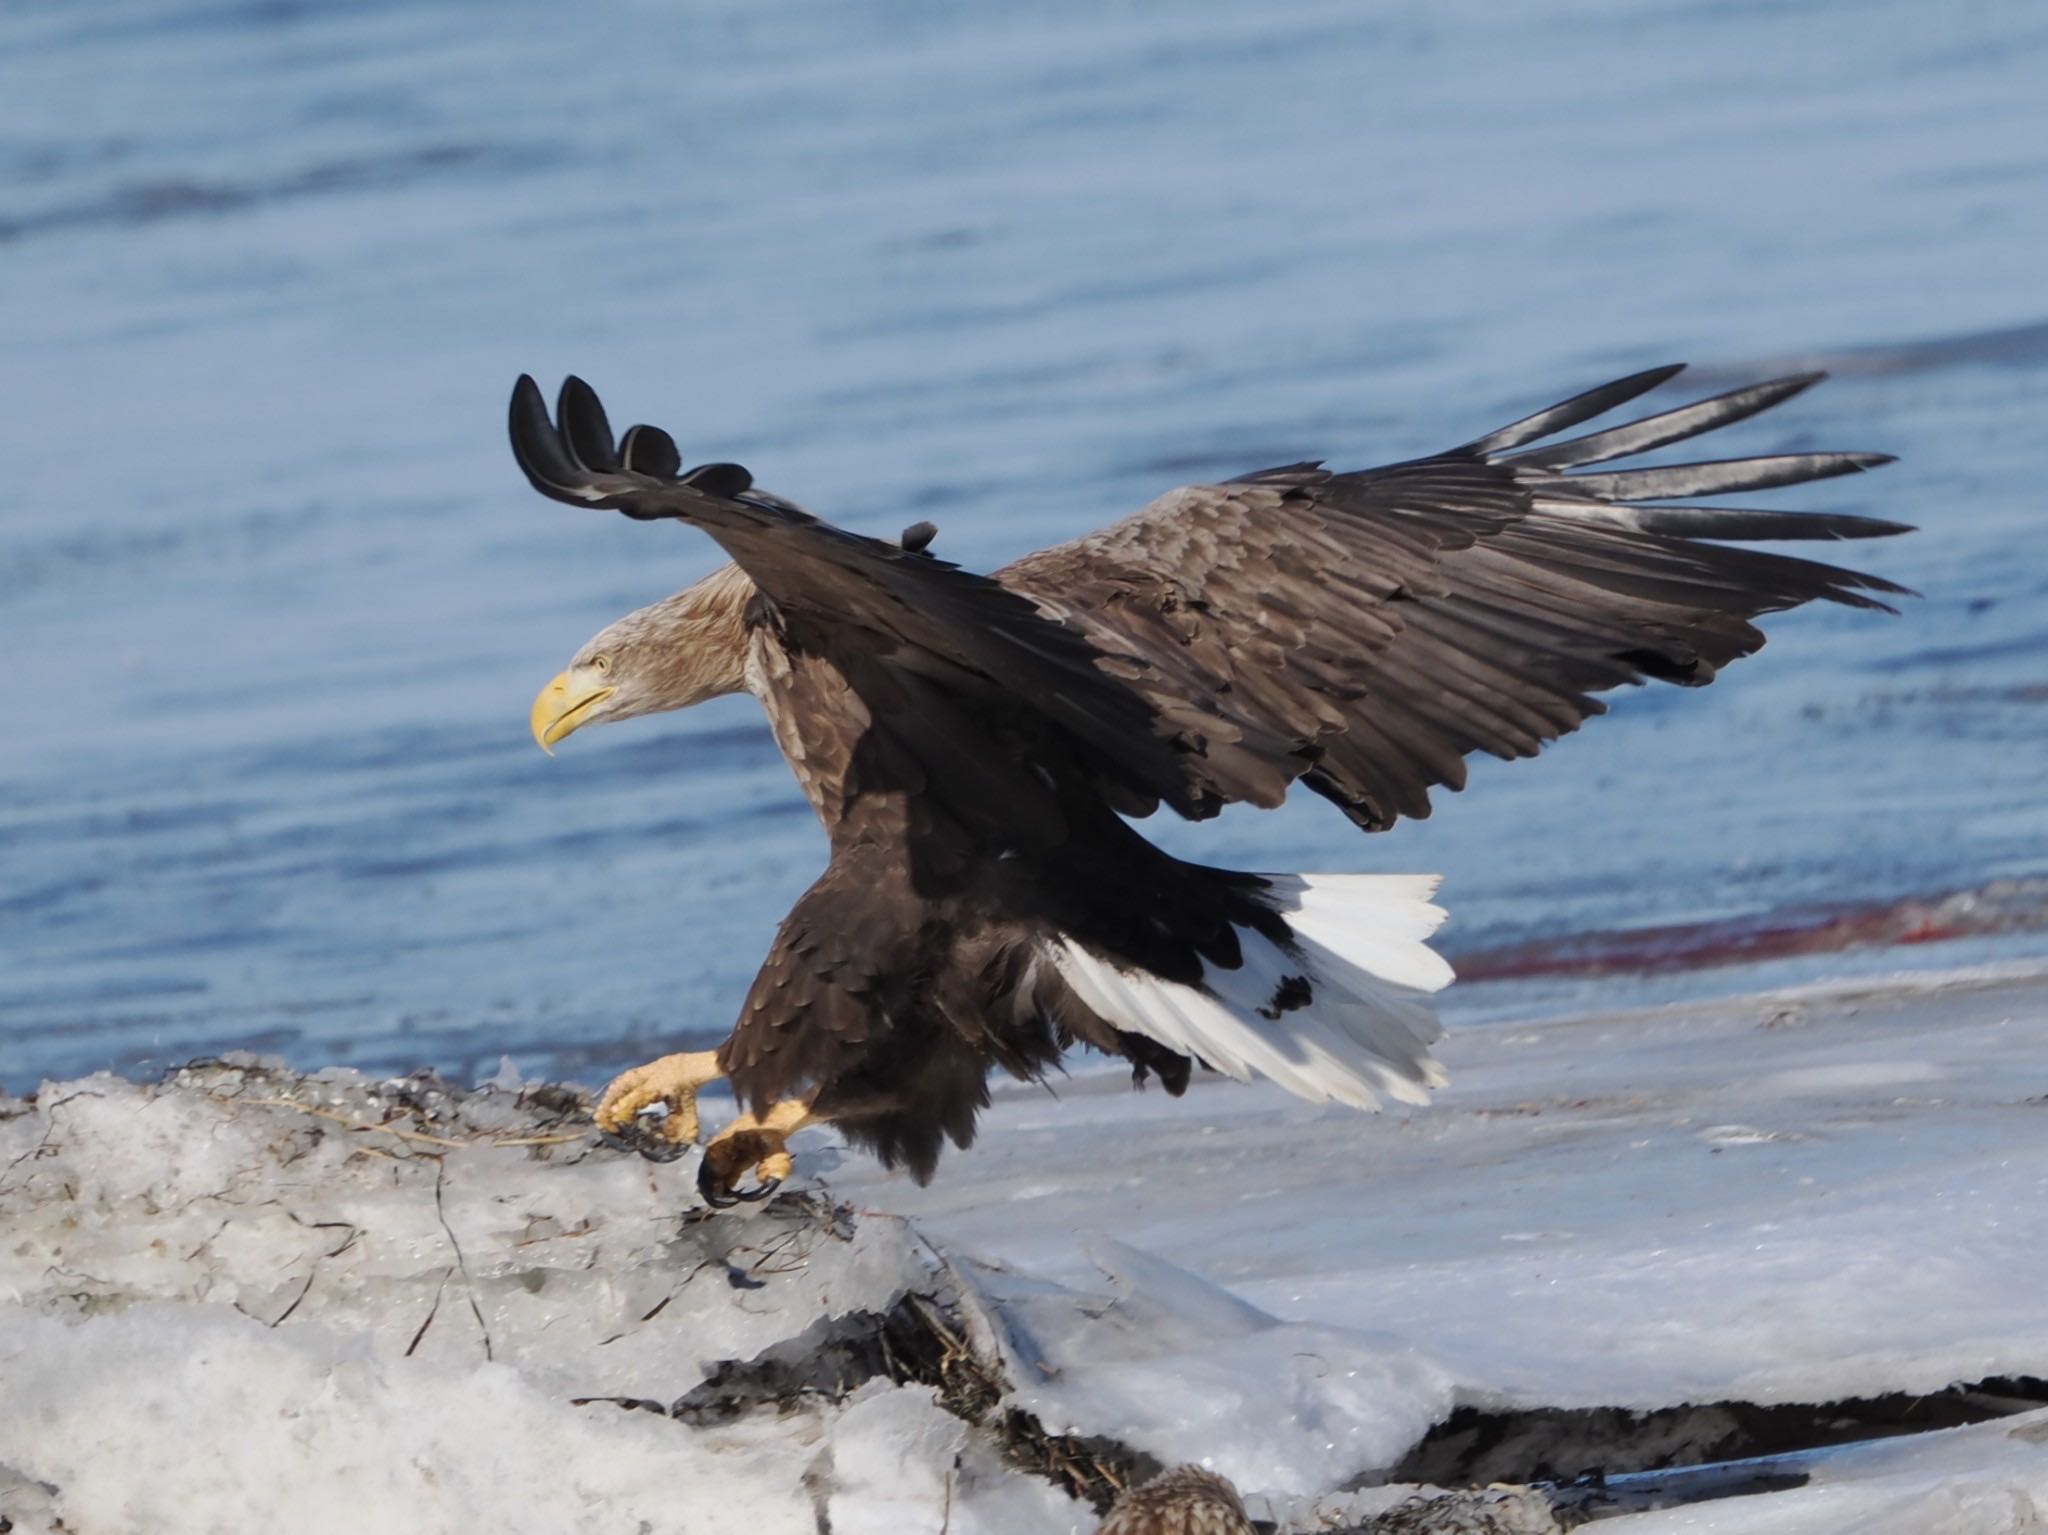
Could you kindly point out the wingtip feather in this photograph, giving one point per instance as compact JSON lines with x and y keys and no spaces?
{"x":651,"y":451}
{"x":1583,"y":406}
{"x":584,"y":427}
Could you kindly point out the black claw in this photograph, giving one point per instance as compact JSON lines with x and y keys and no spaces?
{"x":720,"y":1197}
{"x":708,"y":1187}
{"x":637,"y":1138}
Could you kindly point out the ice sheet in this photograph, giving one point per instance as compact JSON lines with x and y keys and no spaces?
{"x":228,"y":1302}
{"x":1798,"y":1196}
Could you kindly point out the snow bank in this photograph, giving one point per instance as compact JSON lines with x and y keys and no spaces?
{"x":196,"y":1418}
{"x":448,"y":1235}
{"x":227,"y":1305}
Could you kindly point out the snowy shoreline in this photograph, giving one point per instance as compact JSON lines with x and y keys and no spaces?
{"x":248,"y":1296}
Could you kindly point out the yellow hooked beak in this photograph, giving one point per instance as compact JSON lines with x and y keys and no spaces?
{"x":566,"y":703}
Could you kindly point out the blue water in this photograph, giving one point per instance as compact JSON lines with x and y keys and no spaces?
{"x":275,"y":601}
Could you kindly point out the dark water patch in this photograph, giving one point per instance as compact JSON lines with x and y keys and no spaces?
{"x":308,"y":946}
{"x":1996,"y":174}
{"x":29,"y":160}
{"x":2001,"y":649}
{"x":370,"y":753}
{"x":730,"y":746}
{"x":105,"y":989}
{"x":2019,"y":346}
{"x":937,"y":497}
{"x":1034,"y":378}
{"x":1968,"y":54}
{"x":1940,"y":696}
{"x":114,"y":26}
{"x":45,"y":897}
{"x":1992,"y":717}
{"x":130,"y":824}
{"x":159,"y":199}
{"x":498,"y":754}
{"x":191,"y":938}
{"x":1214,"y":464}
{"x":346,"y":850}
{"x":91,"y":553}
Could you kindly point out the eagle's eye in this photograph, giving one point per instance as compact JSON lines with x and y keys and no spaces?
{"x":602,"y":663}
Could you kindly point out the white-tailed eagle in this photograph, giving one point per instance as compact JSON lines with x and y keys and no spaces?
{"x":974,"y":743}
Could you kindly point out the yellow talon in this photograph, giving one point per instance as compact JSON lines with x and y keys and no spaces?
{"x":750,"y":1141}
{"x":673,"y":1080}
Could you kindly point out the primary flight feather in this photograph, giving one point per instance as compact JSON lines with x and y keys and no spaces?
{"x":972,"y":744}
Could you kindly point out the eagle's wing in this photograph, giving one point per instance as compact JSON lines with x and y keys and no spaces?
{"x":864,"y":600}
{"x":1366,"y":631}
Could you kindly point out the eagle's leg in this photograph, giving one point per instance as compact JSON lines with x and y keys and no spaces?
{"x":756,"y":1141}
{"x":673,"y":1080}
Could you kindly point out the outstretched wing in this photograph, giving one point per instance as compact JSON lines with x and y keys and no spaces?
{"x":1364,"y":632}
{"x":861,"y":601}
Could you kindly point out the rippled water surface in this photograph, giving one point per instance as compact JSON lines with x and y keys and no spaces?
{"x":275,"y":600}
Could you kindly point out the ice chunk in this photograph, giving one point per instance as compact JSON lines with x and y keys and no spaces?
{"x":1174,"y":1366}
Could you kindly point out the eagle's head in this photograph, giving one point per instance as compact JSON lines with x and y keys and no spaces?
{"x":678,"y":652}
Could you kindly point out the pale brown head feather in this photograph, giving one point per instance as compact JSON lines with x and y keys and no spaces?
{"x":676,"y":652}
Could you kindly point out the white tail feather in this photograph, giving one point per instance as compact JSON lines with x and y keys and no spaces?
{"x":1366,"y":1027}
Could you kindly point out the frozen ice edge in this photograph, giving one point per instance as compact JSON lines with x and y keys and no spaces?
{"x":216,"y":1312}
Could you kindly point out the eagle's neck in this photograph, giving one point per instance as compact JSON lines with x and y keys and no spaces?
{"x":817,"y":719}
{"x":704,"y":629}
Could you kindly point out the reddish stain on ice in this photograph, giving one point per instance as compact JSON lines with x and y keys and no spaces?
{"x":2004,"y":906}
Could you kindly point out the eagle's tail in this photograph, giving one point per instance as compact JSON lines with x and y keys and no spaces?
{"x":1338,"y":1012}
